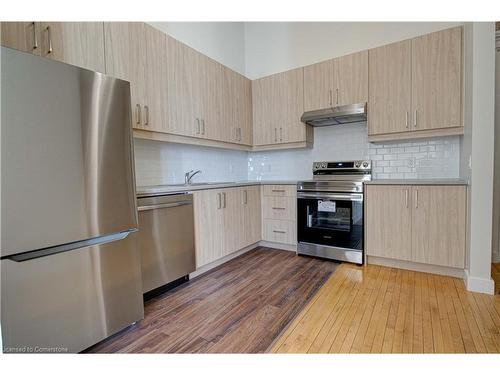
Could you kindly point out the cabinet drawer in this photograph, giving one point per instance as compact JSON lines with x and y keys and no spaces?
{"x":281,"y":208}
{"x":279,"y":190}
{"x":282,"y":231}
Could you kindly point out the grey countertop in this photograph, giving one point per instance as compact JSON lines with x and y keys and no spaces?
{"x":437,"y":181}
{"x":181,"y":188}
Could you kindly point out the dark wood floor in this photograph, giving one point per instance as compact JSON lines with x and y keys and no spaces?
{"x":495,"y":275}
{"x":239,"y":307}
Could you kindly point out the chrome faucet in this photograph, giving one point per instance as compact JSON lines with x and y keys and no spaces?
{"x":189,"y":175}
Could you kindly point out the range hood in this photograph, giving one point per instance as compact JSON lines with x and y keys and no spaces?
{"x":343,"y":114}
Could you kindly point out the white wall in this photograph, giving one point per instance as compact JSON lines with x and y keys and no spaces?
{"x":272,"y":47}
{"x":222,"y":41}
{"x":496,"y":199}
{"x":483,"y":131}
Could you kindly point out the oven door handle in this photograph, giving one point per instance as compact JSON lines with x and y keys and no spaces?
{"x":340,"y":197}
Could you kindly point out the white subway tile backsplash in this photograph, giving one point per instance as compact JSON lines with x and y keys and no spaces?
{"x":166,"y":163}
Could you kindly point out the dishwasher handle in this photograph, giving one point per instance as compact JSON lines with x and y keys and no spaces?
{"x":164,"y":205}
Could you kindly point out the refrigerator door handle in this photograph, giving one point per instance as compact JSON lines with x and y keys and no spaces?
{"x":34,"y":254}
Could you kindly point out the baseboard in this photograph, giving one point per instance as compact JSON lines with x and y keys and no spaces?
{"x":279,"y":246}
{"x":478,"y":284}
{"x":419,"y":267}
{"x":218,"y":262}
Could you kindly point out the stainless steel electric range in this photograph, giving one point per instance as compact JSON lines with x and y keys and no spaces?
{"x":330,"y":211}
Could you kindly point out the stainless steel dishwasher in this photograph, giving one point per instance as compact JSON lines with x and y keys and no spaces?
{"x":166,"y":238}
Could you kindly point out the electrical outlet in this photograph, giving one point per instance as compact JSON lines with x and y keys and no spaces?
{"x":410,"y":163}
{"x":470,"y":161}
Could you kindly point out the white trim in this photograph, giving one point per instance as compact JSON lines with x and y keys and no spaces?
{"x":418,"y":267}
{"x":479,"y":285}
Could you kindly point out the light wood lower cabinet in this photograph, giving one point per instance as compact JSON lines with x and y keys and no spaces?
{"x":423,"y":224}
{"x":279,"y":213}
{"x":226,"y":220}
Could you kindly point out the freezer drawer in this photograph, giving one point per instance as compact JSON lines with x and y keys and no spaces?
{"x":166,"y":239}
{"x":69,"y":301}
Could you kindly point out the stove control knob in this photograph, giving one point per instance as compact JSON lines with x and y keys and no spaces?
{"x":357,"y":164}
{"x":365,"y":164}
{"x":323,"y":165}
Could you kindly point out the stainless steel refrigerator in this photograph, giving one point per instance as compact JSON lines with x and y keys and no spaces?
{"x":70,"y":266}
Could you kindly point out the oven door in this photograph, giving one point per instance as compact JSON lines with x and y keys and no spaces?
{"x":331,"y":219}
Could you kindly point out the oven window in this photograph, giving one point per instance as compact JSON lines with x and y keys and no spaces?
{"x":337,"y":223}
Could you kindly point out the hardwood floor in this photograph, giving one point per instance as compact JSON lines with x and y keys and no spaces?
{"x":495,"y":275}
{"x":239,"y":307}
{"x":377,"y":309}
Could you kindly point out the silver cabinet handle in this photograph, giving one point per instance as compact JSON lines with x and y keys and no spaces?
{"x":275,"y":134}
{"x":406,"y":120}
{"x":281,"y":134}
{"x":239,"y":134}
{"x":415,"y":119}
{"x":330,"y":97}
{"x":198,"y":128}
{"x":49,"y":36}
{"x":164,"y":205}
{"x":35,"y":37}
{"x":224,"y":197}
{"x":279,"y":231}
{"x":278,"y":190}
{"x":246,"y":196}
{"x":406,"y":198}
{"x":416,"y":198}
{"x":278,"y":208}
{"x":138,"y":114}
{"x":203,"y":126}
{"x":219,"y":201}
{"x":337,"y":95}
{"x":146,"y":114}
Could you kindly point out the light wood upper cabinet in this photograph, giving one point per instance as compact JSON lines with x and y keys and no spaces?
{"x":389,"y":88}
{"x":126,"y":59}
{"x":23,"y":36}
{"x":277,"y":107}
{"x":236,"y":107}
{"x":438,"y":225}
{"x":183,"y":100}
{"x":437,"y":80}
{"x":388,"y":221}
{"x":424,"y":224}
{"x":319,"y":85}
{"x":155,"y":109}
{"x":352,"y":78}
{"x":76,"y":43}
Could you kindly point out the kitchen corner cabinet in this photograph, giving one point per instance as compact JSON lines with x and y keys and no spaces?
{"x":423,"y":224}
{"x":76,"y":43}
{"x":226,"y":220}
{"x":415,"y":87}
{"x":278,"y":104}
{"x":339,"y":81}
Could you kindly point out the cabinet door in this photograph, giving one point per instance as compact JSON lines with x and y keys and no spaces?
{"x":23,"y":36}
{"x":319,"y":85}
{"x":278,"y":103}
{"x":126,"y":59}
{"x":236,"y":116}
{"x":438,"y":225}
{"x":183,"y":98}
{"x":251,"y":225}
{"x":352,"y":78}
{"x":264,"y":115}
{"x":388,"y":221}
{"x":210,"y":91}
{"x":155,"y":110}
{"x":389,"y":88}
{"x":436,"y":80}
{"x":209,"y":226}
{"x":76,"y":43}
